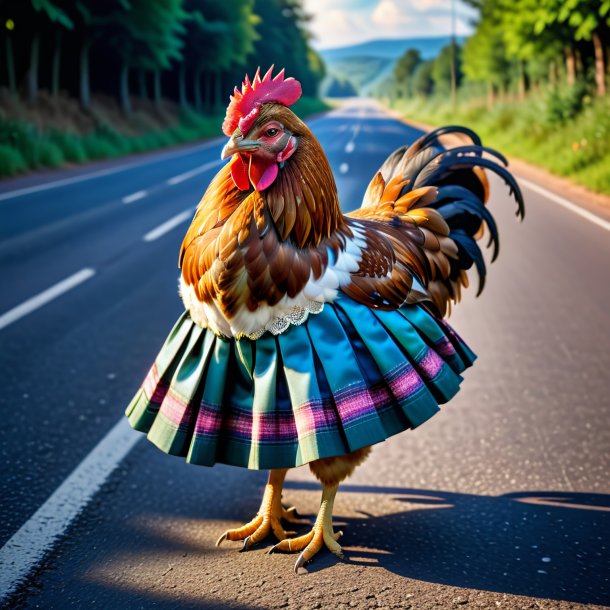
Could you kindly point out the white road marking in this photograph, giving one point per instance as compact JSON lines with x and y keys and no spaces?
{"x":600,"y":222}
{"x":104,"y":172}
{"x":134,"y":197}
{"x":349,"y":147}
{"x":45,"y":297}
{"x":194,"y":172}
{"x":344,"y":168}
{"x":167,"y":226}
{"x":25,"y":549}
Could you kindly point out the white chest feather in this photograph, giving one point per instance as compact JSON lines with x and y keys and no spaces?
{"x":277,"y":318}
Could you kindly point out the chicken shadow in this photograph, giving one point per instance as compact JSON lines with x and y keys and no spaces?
{"x":541,"y":544}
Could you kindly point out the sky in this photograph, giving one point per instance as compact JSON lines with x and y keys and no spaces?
{"x":338,"y":23}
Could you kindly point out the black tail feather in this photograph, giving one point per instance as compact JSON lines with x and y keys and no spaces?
{"x":461,"y":193}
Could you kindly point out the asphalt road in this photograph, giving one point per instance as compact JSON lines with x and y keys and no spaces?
{"x":502,"y":500}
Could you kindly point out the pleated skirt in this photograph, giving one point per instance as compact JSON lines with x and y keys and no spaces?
{"x":347,"y":378}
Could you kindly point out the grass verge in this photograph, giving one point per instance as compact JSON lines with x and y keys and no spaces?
{"x":567,"y":134}
{"x":35,"y":139}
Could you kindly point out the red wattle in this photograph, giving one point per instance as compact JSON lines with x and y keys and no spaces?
{"x":262,"y":175}
{"x":239,"y":173}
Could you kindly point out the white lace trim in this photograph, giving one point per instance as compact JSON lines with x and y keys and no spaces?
{"x":296,"y":316}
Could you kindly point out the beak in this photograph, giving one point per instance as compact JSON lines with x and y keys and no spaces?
{"x":237,"y":144}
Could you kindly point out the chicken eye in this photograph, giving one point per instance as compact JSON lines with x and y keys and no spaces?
{"x":272,"y":131}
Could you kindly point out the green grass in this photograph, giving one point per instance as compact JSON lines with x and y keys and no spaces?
{"x":11,"y":161}
{"x":26,"y":147}
{"x":568,"y":134}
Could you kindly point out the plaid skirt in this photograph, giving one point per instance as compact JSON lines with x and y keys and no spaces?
{"x":347,"y":378}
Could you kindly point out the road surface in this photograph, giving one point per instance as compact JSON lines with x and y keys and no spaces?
{"x":502,"y":500}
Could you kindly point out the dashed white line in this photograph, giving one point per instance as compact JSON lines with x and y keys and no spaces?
{"x":350,"y":146}
{"x":134,"y":197}
{"x":167,"y":226}
{"x":24,"y":550}
{"x":600,"y":222}
{"x":45,"y":297}
{"x":193,"y":172}
{"x":344,"y":168}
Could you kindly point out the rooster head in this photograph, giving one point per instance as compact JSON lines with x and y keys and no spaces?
{"x":263,"y":132}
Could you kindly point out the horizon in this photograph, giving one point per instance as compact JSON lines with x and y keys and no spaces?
{"x":344,"y":23}
{"x":363,"y":42}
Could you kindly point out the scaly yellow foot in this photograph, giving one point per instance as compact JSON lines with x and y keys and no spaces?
{"x":268,"y":519}
{"x":322,"y":533}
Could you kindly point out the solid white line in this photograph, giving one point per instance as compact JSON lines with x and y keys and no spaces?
{"x":167,"y":226}
{"x":28,"y":545}
{"x":193,"y":172}
{"x":600,"y":222}
{"x":45,"y":297}
{"x":103,"y":172}
{"x":134,"y":197}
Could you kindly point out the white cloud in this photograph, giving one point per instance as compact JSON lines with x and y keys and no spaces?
{"x":344,"y":22}
{"x":389,"y":14}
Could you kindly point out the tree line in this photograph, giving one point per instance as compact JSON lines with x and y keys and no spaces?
{"x":517,"y":46}
{"x":192,"y":51}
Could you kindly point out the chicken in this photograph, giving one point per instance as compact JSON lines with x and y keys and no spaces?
{"x":310,"y":335}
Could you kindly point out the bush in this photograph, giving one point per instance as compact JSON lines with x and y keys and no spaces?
{"x":98,"y":147}
{"x":568,"y":134}
{"x":16,"y":133}
{"x":70,"y":144}
{"x":11,"y":161}
{"x":46,"y":153}
{"x":23,"y":146}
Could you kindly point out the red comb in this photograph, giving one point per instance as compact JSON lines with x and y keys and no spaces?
{"x":244,"y":106}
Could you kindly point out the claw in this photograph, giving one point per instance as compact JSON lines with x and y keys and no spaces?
{"x":300,"y":562}
{"x":222,"y":539}
{"x":248,"y":544}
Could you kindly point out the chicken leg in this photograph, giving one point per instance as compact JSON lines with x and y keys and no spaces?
{"x":330,"y":472}
{"x":321,"y":534}
{"x":269,"y":516}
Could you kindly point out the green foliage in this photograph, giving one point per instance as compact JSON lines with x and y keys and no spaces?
{"x":11,"y":161}
{"x":23,"y":147}
{"x":18,"y":135}
{"x":404,"y":69}
{"x":354,"y":74}
{"x":306,"y":106}
{"x":578,"y":149}
{"x":423,"y":83}
{"x":55,"y":13}
{"x":35,"y":149}
{"x":98,"y":147}
{"x":566,"y":104}
{"x":583,"y":17}
{"x":70,"y":145}
{"x":283,"y":36}
{"x":484,"y":56}
{"x":46,"y":154}
{"x":441,"y":69}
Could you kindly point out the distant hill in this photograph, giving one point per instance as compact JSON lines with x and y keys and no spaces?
{"x":366,"y":64}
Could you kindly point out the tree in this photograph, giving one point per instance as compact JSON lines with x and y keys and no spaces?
{"x":219,"y":37}
{"x":93,"y":19}
{"x":283,"y":36}
{"x":147,"y":35}
{"x":423,"y":83}
{"x":442,"y":69}
{"x":588,"y":20}
{"x":404,"y":69}
{"x":484,"y":57}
